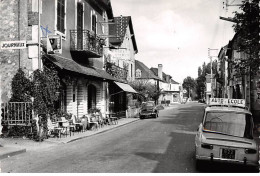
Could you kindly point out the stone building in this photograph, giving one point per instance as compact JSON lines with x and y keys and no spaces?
{"x":73,"y":36}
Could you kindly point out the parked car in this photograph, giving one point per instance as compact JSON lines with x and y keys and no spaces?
{"x":148,"y":109}
{"x":201,"y":101}
{"x":226,"y":135}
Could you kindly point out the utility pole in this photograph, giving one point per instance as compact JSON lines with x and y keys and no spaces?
{"x":211,"y":70}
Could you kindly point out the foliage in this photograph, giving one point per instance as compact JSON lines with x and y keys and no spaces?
{"x":93,"y":110}
{"x":42,"y":88}
{"x":116,"y":71}
{"x":21,"y":87}
{"x":188,"y":83}
{"x":247,"y":27}
{"x":201,"y":80}
{"x":146,"y":90}
{"x":46,"y":85}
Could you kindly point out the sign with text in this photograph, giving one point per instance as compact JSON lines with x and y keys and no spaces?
{"x":227,"y":102}
{"x":5,"y":45}
{"x":54,"y":44}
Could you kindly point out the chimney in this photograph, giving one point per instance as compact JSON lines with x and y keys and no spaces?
{"x":160,"y":71}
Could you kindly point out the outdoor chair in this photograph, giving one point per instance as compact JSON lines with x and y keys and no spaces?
{"x":94,"y":123}
{"x":78,"y":125}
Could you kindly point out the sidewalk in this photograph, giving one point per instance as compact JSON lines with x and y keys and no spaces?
{"x":13,"y":146}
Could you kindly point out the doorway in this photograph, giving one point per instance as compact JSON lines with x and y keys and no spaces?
{"x":92,"y":96}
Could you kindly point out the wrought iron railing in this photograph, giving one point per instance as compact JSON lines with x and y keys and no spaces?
{"x":84,"y":40}
{"x":17,"y":113}
{"x":116,"y":71}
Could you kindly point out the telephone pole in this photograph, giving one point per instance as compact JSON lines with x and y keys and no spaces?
{"x":211,"y":70}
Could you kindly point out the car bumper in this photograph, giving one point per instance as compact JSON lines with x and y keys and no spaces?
{"x":147,"y":114}
{"x":222,"y":160}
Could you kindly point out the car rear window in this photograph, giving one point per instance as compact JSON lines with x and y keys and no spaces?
{"x":229,"y":123}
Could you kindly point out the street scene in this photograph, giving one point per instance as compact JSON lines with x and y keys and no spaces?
{"x":144,"y":146}
{"x":119,"y":86}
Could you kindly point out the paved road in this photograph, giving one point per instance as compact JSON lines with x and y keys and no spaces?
{"x":164,"y":145}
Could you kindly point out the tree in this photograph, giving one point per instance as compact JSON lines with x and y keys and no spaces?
{"x":189,"y":84}
{"x":146,"y":90}
{"x":247,"y":26}
{"x":21,"y":87}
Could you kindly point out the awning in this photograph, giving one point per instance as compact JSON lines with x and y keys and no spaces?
{"x":125,"y":87}
{"x":71,"y":65}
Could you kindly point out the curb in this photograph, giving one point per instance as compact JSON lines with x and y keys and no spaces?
{"x":100,"y":132}
{"x":9,"y":153}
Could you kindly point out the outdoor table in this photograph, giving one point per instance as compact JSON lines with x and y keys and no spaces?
{"x":61,"y":126}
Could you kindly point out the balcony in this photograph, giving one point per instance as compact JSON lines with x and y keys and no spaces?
{"x":116,"y":71}
{"x":84,"y":41}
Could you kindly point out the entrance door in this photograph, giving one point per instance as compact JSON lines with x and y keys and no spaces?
{"x":92,"y":96}
{"x":80,"y":26}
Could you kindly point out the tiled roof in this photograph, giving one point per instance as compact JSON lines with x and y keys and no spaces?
{"x":174,"y":82}
{"x":71,"y":65}
{"x":119,"y":29}
{"x":155,"y":71}
{"x":146,"y":73}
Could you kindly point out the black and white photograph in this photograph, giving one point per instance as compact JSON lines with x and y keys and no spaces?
{"x":130,"y":86}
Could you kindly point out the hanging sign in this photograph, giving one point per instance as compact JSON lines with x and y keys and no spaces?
{"x":54,"y":44}
{"x":13,"y":45}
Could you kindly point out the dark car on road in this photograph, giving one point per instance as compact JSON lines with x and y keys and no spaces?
{"x":148,"y":109}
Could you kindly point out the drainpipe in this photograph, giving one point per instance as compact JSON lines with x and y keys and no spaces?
{"x":39,"y":36}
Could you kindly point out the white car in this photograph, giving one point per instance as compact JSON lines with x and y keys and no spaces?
{"x":226,"y":134}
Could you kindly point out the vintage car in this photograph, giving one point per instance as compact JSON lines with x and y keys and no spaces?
{"x":148,"y":109}
{"x":226,"y":135}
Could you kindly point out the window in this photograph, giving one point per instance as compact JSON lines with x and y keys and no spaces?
{"x":61,"y":14}
{"x":138,"y":73}
{"x":94,"y":22}
{"x":229,"y":123}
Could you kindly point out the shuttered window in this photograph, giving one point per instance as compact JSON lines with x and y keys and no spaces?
{"x":94,"y":23}
{"x":61,"y":16}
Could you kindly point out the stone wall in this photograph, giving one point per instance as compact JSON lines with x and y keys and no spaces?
{"x":14,"y":27}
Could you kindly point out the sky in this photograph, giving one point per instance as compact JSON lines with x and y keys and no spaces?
{"x":177,"y":33}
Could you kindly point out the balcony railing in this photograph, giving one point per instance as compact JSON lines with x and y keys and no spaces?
{"x":116,"y":71}
{"x":87,"y":42}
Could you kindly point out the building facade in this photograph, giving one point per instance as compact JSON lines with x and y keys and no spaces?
{"x":71,"y":35}
{"x":170,"y":88}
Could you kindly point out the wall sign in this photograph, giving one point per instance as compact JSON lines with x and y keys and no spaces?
{"x":5,"y":45}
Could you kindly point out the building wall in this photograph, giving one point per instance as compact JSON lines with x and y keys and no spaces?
{"x":13,"y":29}
{"x":125,"y":55}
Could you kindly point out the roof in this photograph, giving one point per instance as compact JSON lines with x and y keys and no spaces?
{"x":227,"y":109}
{"x":119,"y":29}
{"x":174,"y":82}
{"x":71,"y":65}
{"x":146,"y":73}
{"x":105,"y":4}
{"x":155,"y":71}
